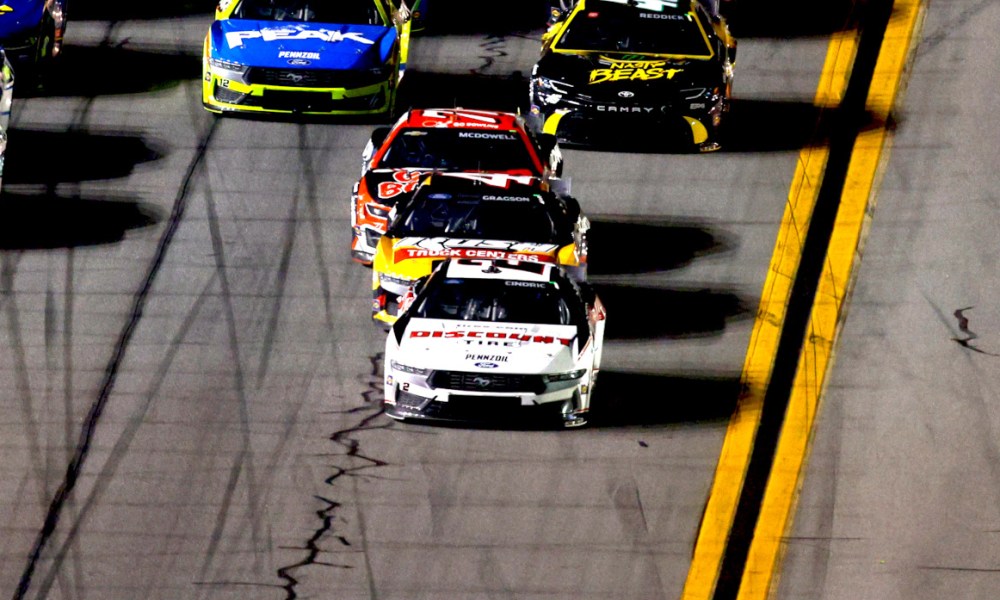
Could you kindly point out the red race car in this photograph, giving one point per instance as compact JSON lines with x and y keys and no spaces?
{"x":440,"y":139}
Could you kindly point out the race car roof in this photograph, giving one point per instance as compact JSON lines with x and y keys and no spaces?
{"x":459,"y":118}
{"x":498,"y":270}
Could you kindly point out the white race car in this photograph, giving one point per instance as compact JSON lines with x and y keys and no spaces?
{"x":489,"y":340}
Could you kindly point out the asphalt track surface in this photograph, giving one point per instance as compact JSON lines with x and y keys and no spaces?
{"x":190,"y":381}
{"x":900,"y":497}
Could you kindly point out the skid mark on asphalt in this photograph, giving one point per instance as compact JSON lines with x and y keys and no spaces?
{"x":8,"y":269}
{"x":291,"y":228}
{"x":349,"y":462}
{"x":312,"y":204}
{"x":124,"y":441}
{"x":946,"y":30}
{"x":494,"y":47}
{"x":96,"y":410}
{"x":963,"y":326}
{"x":69,"y":418}
{"x":244,"y":463}
{"x":40,"y":459}
{"x":78,"y":123}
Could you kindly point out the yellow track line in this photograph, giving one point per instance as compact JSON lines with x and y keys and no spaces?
{"x":871,"y":150}
{"x":734,"y":459}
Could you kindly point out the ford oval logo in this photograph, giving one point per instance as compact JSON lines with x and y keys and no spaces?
{"x":626,"y":94}
{"x":487,"y":365}
{"x":299,"y":62}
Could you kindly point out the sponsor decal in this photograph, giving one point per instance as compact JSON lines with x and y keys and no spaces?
{"x":488,"y":357}
{"x":663,"y":16}
{"x":638,"y":70}
{"x":487,"y":365}
{"x":491,"y":359}
{"x":441,"y":248}
{"x":277,"y":34}
{"x":624,"y":109}
{"x":299,"y":62}
{"x":403,"y":182}
{"x":482,"y":135}
{"x":470,"y":253}
{"x":527,"y":284}
{"x":492,"y":335}
{"x":294,"y":54}
{"x":460,"y":118}
{"x":507,"y":198}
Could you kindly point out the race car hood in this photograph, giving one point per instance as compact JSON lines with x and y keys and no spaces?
{"x":414,"y":256}
{"x":18,"y":15}
{"x":302,"y":45}
{"x":389,"y":186}
{"x":489,"y":347}
{"x":601,"y":75}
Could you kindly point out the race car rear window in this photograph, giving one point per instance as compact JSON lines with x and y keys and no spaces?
{"x":626,"y":29}
{"x":520,"y":218}
{"x":348,"y":12}
{"x":458,"y":150}
{"x":492,"y":300}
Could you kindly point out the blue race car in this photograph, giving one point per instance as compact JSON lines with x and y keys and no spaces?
{"x":342,"y":57}
{"x":31,"y":31}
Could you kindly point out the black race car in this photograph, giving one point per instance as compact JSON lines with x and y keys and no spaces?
{"x":608,"y":66}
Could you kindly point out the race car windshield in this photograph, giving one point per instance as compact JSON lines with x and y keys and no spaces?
{"x":625,"y":29}
{"x":458,"y":150}
{"x":514,"y":217}
{"x":356,"y":12}
{"x":500,"y":301}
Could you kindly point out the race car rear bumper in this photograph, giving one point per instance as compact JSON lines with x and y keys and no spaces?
{"x":586,"y":127}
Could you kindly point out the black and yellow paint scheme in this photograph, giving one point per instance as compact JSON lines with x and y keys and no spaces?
{"x":608,"y":66}
{"x":475,"y":216}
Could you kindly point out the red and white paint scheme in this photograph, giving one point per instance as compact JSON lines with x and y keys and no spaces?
{"x":430,"y":140}
{"x":485,"y":340}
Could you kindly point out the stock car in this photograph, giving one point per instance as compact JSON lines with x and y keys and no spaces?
{"x":315,"y":57}
{"x":475,"y":215}
{"x":660,"y":69}
{"x":31,"y":31}
{"x":440,"y":139}
{"x":483,"y":340}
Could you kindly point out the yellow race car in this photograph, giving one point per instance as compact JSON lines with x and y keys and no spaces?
{"x":305,"y":56}
{"x":475,"y":216}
